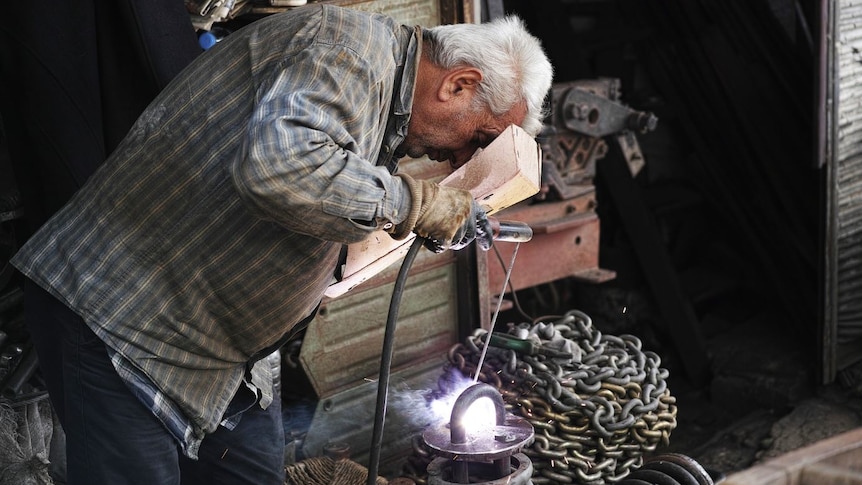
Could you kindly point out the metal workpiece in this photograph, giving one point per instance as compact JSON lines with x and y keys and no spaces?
{"x":462,"y":405}
{"x":494,"y":443}
{"x":485,"y":452}
{"x":521,"y":472}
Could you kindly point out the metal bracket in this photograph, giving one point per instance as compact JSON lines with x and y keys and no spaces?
{"x":594,"y":115}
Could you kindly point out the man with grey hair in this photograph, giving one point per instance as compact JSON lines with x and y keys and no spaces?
{"x":208,"y":238}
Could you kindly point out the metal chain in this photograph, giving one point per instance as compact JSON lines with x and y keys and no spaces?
{"x":595,"y":414}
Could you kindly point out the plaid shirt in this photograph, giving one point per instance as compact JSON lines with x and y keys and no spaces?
{"x":216,"y":224}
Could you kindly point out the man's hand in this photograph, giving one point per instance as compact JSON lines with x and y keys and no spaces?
{"x":476,"y":228}
{"x":447,"y":217}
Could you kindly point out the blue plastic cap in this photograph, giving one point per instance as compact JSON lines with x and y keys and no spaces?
{"x":207,"y":40}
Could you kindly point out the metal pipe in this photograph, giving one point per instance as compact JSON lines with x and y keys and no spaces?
{"x":510,"y":231}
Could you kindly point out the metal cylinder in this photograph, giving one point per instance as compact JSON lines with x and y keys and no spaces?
{"x":440,"y":472}
{"x":510,"y":231}
{"x":486,"y":453}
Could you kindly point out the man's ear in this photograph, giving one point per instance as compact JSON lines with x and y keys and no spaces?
{"x":460,"y":81}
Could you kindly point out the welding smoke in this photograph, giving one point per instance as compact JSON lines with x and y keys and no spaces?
{"x":409,"y":412}
{"x":423,"y":408}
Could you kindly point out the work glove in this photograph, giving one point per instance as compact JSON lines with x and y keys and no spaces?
{"x":448,"y":218}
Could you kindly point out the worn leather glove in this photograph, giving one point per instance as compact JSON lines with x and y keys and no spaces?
{"x":446,"y":217}
{"x":476,"y":228}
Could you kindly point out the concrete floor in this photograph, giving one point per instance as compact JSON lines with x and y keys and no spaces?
{"x":762,"y":402}
{"x":727,"y":444}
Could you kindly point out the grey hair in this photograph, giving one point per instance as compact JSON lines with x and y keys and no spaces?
{"x":515,"y":68}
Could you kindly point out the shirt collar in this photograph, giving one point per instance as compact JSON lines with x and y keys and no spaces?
{"x":402,"y":99}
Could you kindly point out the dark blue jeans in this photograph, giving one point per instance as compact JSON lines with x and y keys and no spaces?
{"x":111,"y":437}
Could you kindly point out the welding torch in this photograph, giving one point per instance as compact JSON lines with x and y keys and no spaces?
{"x":510,"y":231}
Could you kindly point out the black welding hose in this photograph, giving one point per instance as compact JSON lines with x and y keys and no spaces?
{"x":386,"y":360}
{"x":505,"y":231}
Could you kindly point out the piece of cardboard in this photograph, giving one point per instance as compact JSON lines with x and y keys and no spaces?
{"x":506,"y":172}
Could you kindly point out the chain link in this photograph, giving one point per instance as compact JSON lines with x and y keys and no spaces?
{"x":594,"y":414}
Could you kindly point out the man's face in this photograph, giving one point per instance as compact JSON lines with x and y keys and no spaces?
{"x":447,"y":125}
{"x":454,"y":136}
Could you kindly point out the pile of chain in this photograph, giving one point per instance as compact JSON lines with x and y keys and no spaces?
{"x":597,"y":402}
